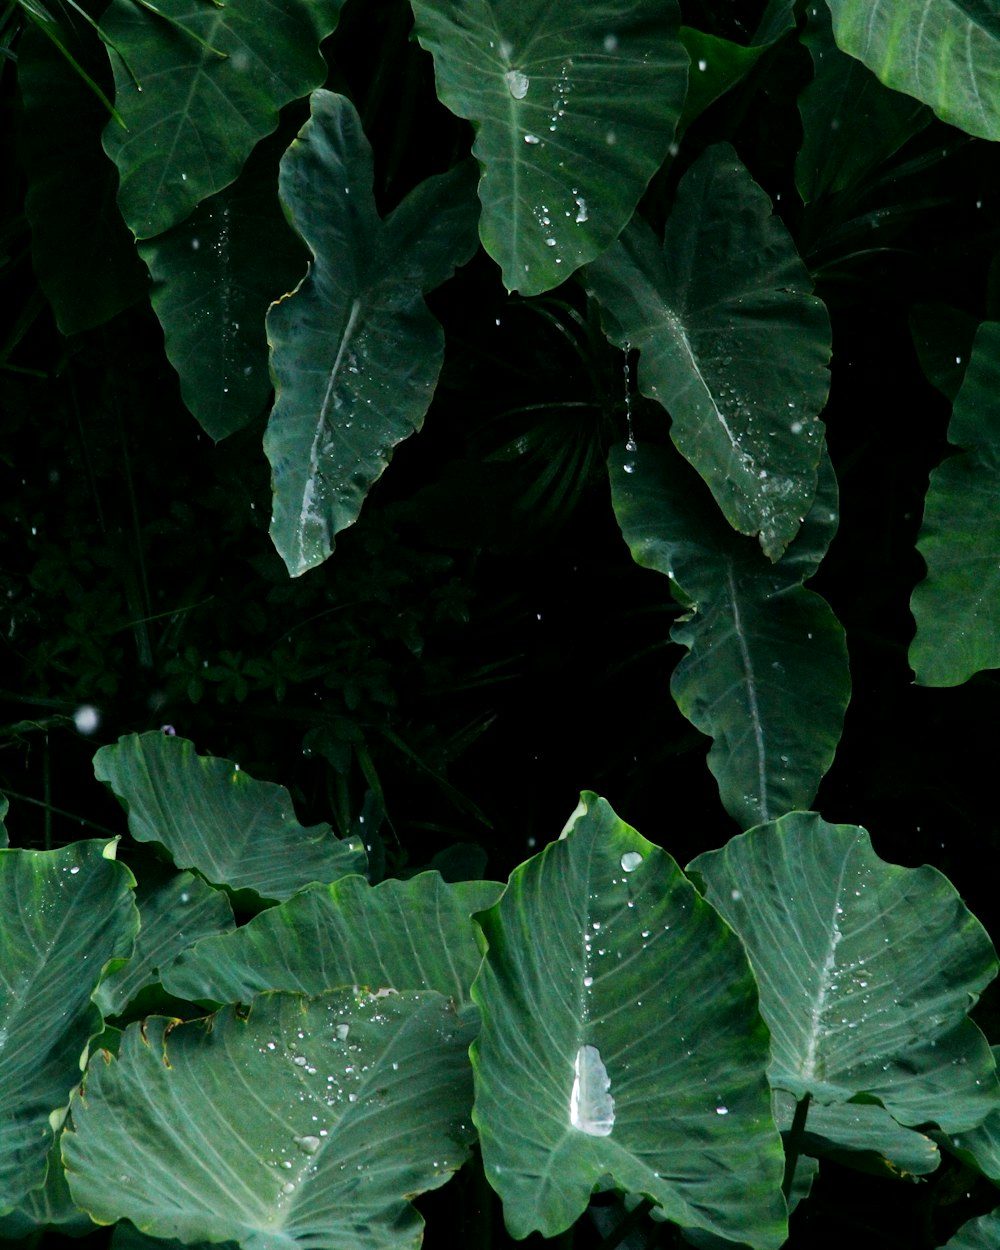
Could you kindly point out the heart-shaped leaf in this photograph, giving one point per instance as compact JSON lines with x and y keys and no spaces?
{"x":214,"y":818}
{"x":574,"y":112}
{"x":355,"y":351}
{"x":866,"y":970}
{"x":197,"y":84}
{"x":620,"y":1035}
{"x":766,"y":675}
{"x":300,"y":1121}
{"x":732,"y":343}
{"x":410,"y":935}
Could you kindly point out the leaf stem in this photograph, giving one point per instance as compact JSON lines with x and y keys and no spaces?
{"x":793,"y":1143}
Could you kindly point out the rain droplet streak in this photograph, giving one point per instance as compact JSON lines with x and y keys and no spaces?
{"x":591,"y":1106}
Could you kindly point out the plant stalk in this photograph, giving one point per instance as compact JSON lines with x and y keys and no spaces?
{"x":793,"y":1143}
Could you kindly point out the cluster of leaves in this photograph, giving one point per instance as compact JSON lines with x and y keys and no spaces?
{"x":318,"y":226}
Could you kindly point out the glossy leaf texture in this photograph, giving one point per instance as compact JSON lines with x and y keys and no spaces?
{"x":733,"y":344}
{"x":214,"y":276}
{"x":957,"y":605}
{"x":82,"y":252}
{"x":174,"y":914}
{"x":766,"y":675}
{"x":49,"y":1208}
{"x":218,"y":821}
{"x":944,"y":52}
{"x":197,"y":85}
{"x":355,"y":351}
{"x":843,"y":100}
{"x":298,"y":1122}
{"x":64,"y":916}
{"x":620,"y":1034}
{"x":407,"y":935}
{"x":573,"y":114}
{"x":866,"y":970}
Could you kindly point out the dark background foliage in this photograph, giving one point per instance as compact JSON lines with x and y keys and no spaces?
{"x":482,"y":646}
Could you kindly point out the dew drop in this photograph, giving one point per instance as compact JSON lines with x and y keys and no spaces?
{"x":532,"y":139}
{"x":630,"y":861}
{"x":591,"y":1107}
{"x":517,"y":83}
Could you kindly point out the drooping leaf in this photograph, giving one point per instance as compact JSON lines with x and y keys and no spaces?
{"x":214,"y":276}
{"x":866,"y":970}
{"x":298,"y":1122}
{"x":574,"y":112}
{"x":957,"y":605}
{"x":174,"y":915}
{"x":82,"y":252}
{"x":843,"y":101}
{"x":355,"y":351}
{"x":766,"y":675}
{"x":215,"y":819}
{"x":197,"y":85}
{"x":732,"y":343}
{"x":944,"y":52}
{"x":619,"y":1035}
{"x":408,"y":935}
{"x":64,"y":915}
{"x":862,"y":1135}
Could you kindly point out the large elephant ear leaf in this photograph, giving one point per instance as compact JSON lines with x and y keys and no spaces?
{"x":866,"y":970}
{"x":944,"y":52}
{"x":733,"y":344}
{"x":64,"y":916}
{"x":620,"y":1033}
{"x":355,"y":351}
{"x":219,"y":821}
{"x":957,"y":605}
{"x":411,"y":935}
{"x":766,"y":675}
{"x":197,"y":85}
{"x":295,"y":1121}
{"x":573,"y":114}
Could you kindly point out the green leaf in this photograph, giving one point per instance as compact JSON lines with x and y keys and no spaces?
{"x":717,"y":65}
{"x":861,"y":1135}
{"x":845,"y":100}
{"x":214,"y":819}
{"x":355,"y":351}
{"x":944,"y":52}
{"x":4,"y":809}
{"x":298,"y":1122}
{"x":409,"y":935}
{"x":174,"y":915}
{"x":574,"y":111}
{"x":979,"y":1148}
{"x":620,"y":1034}
{"x":82,"y":253}
{"x":732,"y":343}
{"x":214,"y":276}
{"x":64,"y":915}
{"x":980,"y":1234}
{"x":197,"y":84}
{"x":766,"y":675}
{"x":49,"y":1207}
{"x":866,"y":970}
{"x":957,"y":605}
